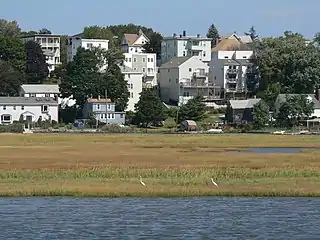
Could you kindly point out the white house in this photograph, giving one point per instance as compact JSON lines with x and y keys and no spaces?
{"x":134,"y":80}
{"x":77,"y":41}
{"x":133,"y":43}
{"x":182,"y":78}
{"x":231,"y":67}
{"x":50,"y":45}
{"x":186,"y":46}
{"x":145,"y":63}
{"x":27,"y":108}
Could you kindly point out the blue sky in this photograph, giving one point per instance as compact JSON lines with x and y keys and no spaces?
{"x":270,"y":18}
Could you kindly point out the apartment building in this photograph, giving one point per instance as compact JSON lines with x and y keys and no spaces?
{"x":231,"y":68}
{"x":76,"y":41}
{"x":186,"y":46}
{"x":133,"y":43}
{"x":182,"y":78}
{"x":50,"y":45}
{"x":145,"y":63}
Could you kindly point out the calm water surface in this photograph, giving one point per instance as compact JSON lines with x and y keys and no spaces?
{"x":158,"y":218}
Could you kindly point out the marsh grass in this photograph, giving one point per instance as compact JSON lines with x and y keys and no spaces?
{"x":171,"y":165}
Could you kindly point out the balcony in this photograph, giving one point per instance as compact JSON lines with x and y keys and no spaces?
{"x":200,"y":74}
{"x":196,"y":84}
{"x":194,"y":46}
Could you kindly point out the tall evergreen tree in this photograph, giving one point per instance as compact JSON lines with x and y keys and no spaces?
{"x":252,"y":33}
{"x":213,"y":33}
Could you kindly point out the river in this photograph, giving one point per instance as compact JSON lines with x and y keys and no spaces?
{"x":159,"y":218}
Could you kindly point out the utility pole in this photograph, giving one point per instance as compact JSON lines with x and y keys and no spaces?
{"x":106,"y":106}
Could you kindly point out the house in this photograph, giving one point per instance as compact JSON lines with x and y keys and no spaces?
{"x":185,"y":46}
{"x":50,"y":45}
{"x":183,"y":78}
{"x":76,"y":41}
{"x":134,"y":80}
{"x":103,"y":110}
{"x":133,"y":43}
{"x":30,"y":109}
{"x":244,"y":39}
{"x":232,"y":69}
{"x":145,"y":63}
{"x":281,"y":98}
{"x":241,"y":111}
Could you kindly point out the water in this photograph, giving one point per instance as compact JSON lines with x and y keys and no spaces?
{"x":158,"y":218}
{"x":278,"y":150}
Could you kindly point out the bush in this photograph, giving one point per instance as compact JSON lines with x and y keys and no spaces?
{"x":114,"y":128}
{"x":12,"y":128}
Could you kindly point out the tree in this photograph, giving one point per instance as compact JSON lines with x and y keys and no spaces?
{"x":154,"y":46}
{"x":288,"y":61}
{"x":12,"y":50}
{"x":194,"y":109}
{"x":252,"y":33}
{"x":213,"y":33}
{"x":44,"y":31}
{"x":36,"y":68}
{"x":260,"y":114}
{"x":149,"y":109}
{"x":294,"y":109}
{"x":9,"y":28}
{"x":10,"y":80}
{"x":63,"y":49}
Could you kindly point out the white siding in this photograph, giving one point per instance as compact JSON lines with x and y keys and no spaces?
{"x":134,"y":81}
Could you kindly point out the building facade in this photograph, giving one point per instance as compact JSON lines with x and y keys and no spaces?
{"x":103,"y":110}
{"x":183,"y":78}
{"x":145,"y":63}
{"x":133,"y":43}
{"x":29,"y":109}
{"x":50,"y":45}
{"x":241,"y":111}
{"x":185,"y":46}
{"x":77,"y":41}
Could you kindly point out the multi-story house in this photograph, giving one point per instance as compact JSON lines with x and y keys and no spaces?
{"x":50,"y":45}
{"x":145,"y":63}
{"x":182,"y":78}
{"x":134,"y":80}
{"x":232,"y":70}
{"x":76,"y":41}
{"x":29,"y":109}
{"x":133,"y":43}
{"x":103,"y":110}
{"x":186,"y":46}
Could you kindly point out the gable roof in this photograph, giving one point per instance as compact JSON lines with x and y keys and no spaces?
{"x":227,"y":44}
{"x":175,"y":62}
{"x":26,"y":101}
{"x":98,"y":100}
{"x":132,"y":38}
{"x":40,"y":88}
{"x":283,"y":98}
{"x":243,"y":104}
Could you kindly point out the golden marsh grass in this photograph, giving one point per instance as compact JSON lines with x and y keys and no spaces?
{"x":171,"y":165}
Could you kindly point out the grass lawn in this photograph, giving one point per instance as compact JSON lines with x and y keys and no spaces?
{"x":170,"y":165}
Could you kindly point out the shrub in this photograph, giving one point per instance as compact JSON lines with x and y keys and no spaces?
{"x":12,"y":128}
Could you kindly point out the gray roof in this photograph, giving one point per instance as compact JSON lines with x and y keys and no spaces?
{"x":40,"y":88}
{"x":243,"y":104}
{"x":230,"y":62}
{"x":26,"y":101}
{"x":283,"y":98}
{"x":175,"y":62}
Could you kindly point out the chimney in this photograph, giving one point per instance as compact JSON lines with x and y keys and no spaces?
{"x":98,"y":97}
{"x":180,"y":36}
{"x":174,"y":35}
{"x":198,"y":35}
{"x":184,"y":33}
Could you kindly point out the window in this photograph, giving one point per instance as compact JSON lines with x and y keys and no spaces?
{"x":143,"y":69}
{"x":47,"y":95}
{"x":177,"y":80}
{"x":121,"y":115}
{"x":169,"y":80}
{"x":129,"y":59}
{"x":129,"y":75}
{"x":109,"y":106}
{"x":112,"y":115}
{"x":143,"y":59}
{"x":131,"y":49}
{"x":22,"y":107}
{"x":151,"y":59}
{"x":4,"y":107}
{"x":134,"y":68}
{"x":148,"y":59}
{"x":101,"y":116}
{"x":184,"y":53}
{"x":190,"y":69}
{"x":186,"y":94}
{"x":98,"y":106}
{"x":100,"y":45}
{"x":14,"y":107}
{"x":204,"y":53}
{"x":6,"y":118}
{"x":244,"y":56}
{"x":131,"y":95}
{"x":89,"y":45}
{"x":226,"y":57}
{"x":134,"y":59}
{"x":204,"y":44}
{"x":126,"y":59}
{"x":109,"y":115}
{"x":44,"y":108}
{"x":32,"y":94}
{"x":168,"y":70}
{"x":149,"y":69}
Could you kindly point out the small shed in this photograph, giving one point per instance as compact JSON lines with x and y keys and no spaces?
{"x":188,"y":125}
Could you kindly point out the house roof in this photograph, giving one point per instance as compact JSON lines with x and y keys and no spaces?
{"x":42,"y":35}
{"x":27,"y":101}
{"x":40,"y":88}
{"x":227,"y":44}
{"x":175,"y":62}
{"x":131,"y":38}
{"x":98,"y":100}
{"x":283,"y":98}
{"x":243,"y":104}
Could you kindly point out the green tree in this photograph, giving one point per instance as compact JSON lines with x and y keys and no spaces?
{"x":288,"y":61}
{"x":36,"y":67}
{"x":252,"y":33}
{"x":260,"y":114}
{"x":194,"y":109}
{"x":44,"y":31}
{"x":10,"y":80}
{"x":154,"y":46}
{"x":149,"y":109}
{"x":294,"y":109}
{"x":213,"y":33}
{"x":270,"y":94}
{"x":12,"y":50}
{"x":63,"y":49}
{"x":9,"y":28}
